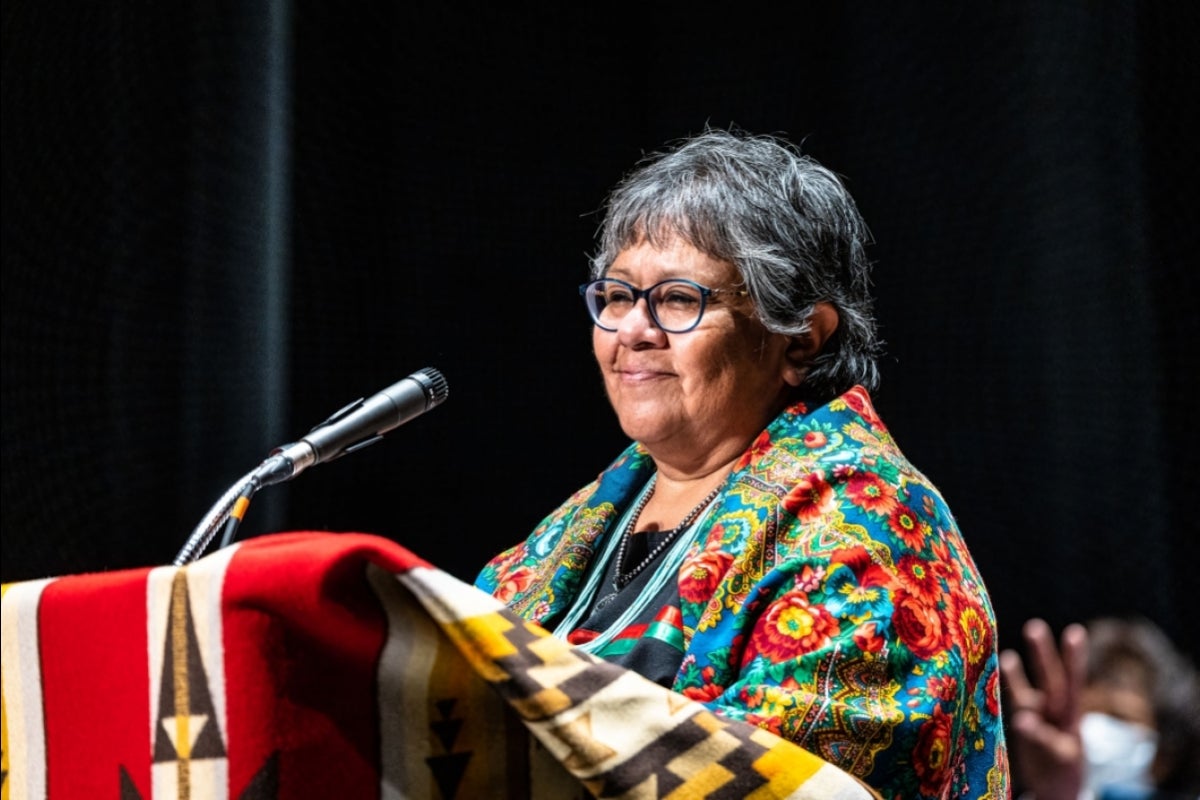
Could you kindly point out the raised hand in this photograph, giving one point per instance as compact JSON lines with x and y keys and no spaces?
{"x":1044,"y":713}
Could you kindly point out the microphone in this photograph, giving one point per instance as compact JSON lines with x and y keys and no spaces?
{"x":356,"y":426}
{"x":359,"y":424}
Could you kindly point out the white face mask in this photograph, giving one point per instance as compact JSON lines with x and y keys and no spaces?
{"x":1117,"y":752}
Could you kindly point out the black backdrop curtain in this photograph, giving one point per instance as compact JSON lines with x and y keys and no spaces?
{"x":220,"y":224}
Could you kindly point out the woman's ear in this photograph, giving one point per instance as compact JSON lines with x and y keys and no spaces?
{"x":803,"y":349}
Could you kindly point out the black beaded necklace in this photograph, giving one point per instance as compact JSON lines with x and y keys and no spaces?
{"x":622,"y":577}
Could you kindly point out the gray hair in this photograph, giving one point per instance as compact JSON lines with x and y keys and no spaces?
{"x":785,"y":222}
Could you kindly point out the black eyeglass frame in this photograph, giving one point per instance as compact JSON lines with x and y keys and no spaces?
{"x":638,"y":294}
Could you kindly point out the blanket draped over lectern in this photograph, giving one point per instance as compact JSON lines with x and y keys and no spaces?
{"x":341,"y":665}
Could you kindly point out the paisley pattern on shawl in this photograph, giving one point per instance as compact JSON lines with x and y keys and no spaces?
{"x":828,"y":597}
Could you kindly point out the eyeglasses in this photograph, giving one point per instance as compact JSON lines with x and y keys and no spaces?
{"x":676,"y":304}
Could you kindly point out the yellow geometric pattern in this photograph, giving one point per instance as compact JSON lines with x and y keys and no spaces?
{"x":618,"y":733}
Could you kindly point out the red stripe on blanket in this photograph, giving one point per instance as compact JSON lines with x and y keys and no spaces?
{"x":303,"y":634}
{"x":95,"y":682}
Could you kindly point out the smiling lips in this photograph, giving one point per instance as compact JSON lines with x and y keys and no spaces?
{"x":639,"y":375}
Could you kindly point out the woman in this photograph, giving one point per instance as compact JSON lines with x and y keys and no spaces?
{"x":763,"y":546}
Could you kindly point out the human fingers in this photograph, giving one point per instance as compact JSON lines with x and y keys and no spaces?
{"x":1074,"y":656}
{"x":1021,"y":695}
{"x":1046,"y":664}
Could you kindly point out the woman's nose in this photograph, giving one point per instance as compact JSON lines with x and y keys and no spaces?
{"x":639,"y":326}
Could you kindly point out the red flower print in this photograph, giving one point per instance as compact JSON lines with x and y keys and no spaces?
{"x":754,"y":452}
{"x":798,"y":409}
{"x":703,"y":694}
{"x":791,"y":627}
{"x":772,"y":724}
{"x":942,"y":687}
{"x":706,"y":691}
{"x":870,"y":492}
{"x":867,"y":574}
{"x":944,"y":564}
{"x":976,"y":635}
{"x":858,"y":399}
{"x":515,"y":583}
{"x":908,"y":526}
{"x":701,"y":573}
{"x":867,"y":638}
{"x":811,"y":498}
{"x":856,"y":558}
{"x":992,"y":690}
{"x":918,"y":624}
{"x":753,"y":695}
{"x":932,"y":755}
{"x":919,"y":577}
{"x":815,"y":440}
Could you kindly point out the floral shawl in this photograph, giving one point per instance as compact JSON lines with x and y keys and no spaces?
{"x":828,"y":597}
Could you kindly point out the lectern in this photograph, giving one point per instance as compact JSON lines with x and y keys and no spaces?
{"x":341,"y":665}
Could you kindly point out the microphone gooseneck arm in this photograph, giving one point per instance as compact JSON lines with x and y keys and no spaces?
{"x":221,"y":511}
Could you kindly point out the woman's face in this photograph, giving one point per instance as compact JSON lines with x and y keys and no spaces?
{"x":694,"y":397}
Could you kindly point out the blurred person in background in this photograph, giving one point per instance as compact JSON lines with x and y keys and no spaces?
{"x":1110,"y":712}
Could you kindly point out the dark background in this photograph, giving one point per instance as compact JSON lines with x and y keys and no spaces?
{"x":221,"y":222}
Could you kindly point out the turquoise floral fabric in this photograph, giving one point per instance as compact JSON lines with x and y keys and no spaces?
{"x":828,"y":597}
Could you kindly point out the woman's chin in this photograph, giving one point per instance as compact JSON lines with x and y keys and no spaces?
{"x":644,"y":428}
